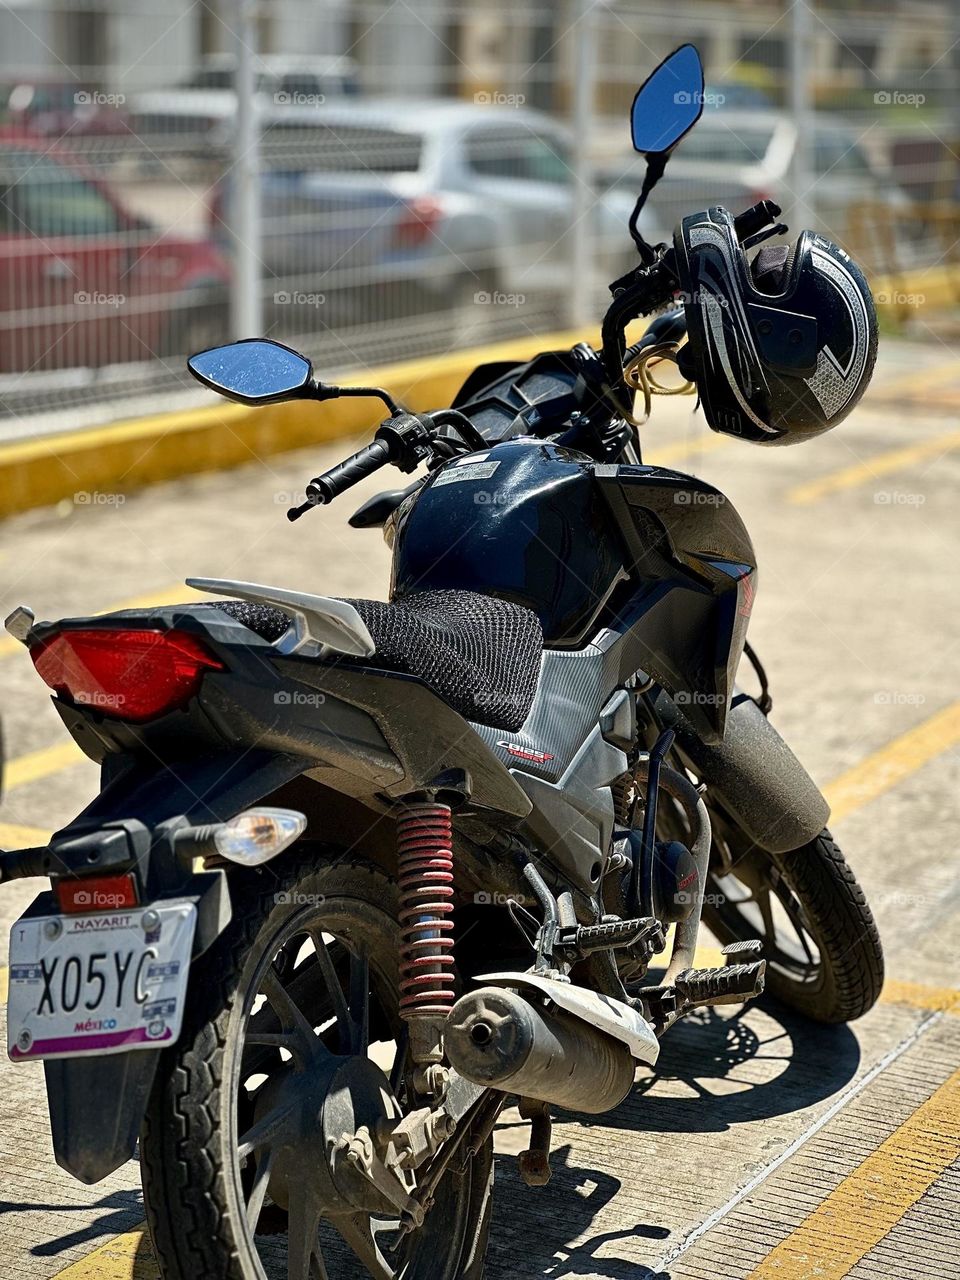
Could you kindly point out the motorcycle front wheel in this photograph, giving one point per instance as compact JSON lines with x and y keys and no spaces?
{"x":291,"y":1040}
{"x":823,"y":951}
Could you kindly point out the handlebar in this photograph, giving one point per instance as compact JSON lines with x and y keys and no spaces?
{"x":403,"y":439}
{"x":323,"y":489}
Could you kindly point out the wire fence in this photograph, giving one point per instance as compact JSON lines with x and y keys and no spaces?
{"x":423,"y":177}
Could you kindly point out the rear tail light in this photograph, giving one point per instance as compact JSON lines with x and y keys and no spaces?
{"x":133,"y":675}
{"x":417,"y":223}
{"x":97,"y":893}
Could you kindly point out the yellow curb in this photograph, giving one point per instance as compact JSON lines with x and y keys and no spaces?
{"x":928,"y":286}
{"x":128,"y":455}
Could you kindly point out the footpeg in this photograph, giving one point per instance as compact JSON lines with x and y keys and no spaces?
{"x":644,"y":932}
{"x":729,"y":984}
{"x":743,"y":952}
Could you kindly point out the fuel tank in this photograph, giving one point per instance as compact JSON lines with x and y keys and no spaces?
{"x":660,"y":558}
{"x":524,"y":521}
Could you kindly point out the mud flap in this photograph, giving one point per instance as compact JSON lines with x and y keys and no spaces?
{"x":96,"y":1106}
{"x":753,"y":774}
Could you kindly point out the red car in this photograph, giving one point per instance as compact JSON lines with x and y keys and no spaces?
{"x":63,"y":109}
{"x":84,"y":282}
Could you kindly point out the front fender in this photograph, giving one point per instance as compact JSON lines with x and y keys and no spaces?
{"x":753,"y":773}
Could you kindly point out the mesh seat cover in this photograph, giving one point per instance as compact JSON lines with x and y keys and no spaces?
{"x":479,"y":654}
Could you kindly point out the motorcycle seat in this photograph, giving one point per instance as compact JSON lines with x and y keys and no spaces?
{"x":479,"y":654}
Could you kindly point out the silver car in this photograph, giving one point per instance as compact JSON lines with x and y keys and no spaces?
{"x":388,"y":209}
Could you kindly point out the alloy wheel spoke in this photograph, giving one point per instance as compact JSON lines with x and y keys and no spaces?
{"x":400,"y":1060}
{"x":263,"y":1131}
{"x":292,"y":1018}
{"x":357,"y":1231}
{"x":340,"y":1007}
{"x":795,"y":915}
{"x":304,"y":1260}
{"x":258,"y":1192}
{"x":359,"y":1002}
{"x":765,"y":903}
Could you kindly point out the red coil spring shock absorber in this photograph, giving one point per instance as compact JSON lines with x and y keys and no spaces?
{"x":425,"y":864}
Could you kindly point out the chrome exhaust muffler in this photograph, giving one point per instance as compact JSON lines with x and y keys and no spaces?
{"x":548,"y":1040}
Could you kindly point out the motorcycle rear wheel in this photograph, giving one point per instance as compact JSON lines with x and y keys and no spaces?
{"x":234,"y":1188}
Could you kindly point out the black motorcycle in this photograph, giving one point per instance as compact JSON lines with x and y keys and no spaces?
{"x":361,"y":873}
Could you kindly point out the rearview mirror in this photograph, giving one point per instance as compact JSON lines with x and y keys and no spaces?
{"x":254,"y":371}
{"x":668,"y":103}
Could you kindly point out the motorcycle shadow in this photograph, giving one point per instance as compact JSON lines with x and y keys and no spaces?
{"x":717,"y":1068}
{"x":120,"y":1211}
{"x":531,"y":1228}
{"x":722,"y":1067}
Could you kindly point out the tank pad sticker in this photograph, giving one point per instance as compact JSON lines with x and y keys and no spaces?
{"x":468,"y":471}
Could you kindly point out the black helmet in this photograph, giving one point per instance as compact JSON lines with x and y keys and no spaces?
{"x":781,"y":347}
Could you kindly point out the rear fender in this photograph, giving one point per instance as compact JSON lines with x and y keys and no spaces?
{"x":96,"y":1108}
{"x":96,"y":1104}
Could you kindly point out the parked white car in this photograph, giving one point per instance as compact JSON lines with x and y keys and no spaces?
{"x":735,"y":158}
{"x":201,"y":110}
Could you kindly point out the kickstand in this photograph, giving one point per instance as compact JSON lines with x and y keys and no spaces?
{"x":535,"y":1161}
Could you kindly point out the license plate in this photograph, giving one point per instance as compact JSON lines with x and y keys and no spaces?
{"x":98,"y":984}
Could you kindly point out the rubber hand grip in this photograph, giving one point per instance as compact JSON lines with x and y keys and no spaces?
{"x":323,"y":489}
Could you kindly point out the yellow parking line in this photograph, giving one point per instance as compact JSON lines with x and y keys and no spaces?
{"x":892,"y":763}
{"x":919,"y":996}
{"x":14,"y":836}
{"x":41,"y":764}
{"x":881,"y":464}
{"x":872,"y":1199}
{"x":176,"y":594}
{"x":919,"y":380}
{"x":688,"y":448}
{"x":125,"y":1257}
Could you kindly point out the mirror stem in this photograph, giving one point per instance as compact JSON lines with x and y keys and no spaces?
{"x":656,"y":163}
{"x":327,"y":392}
